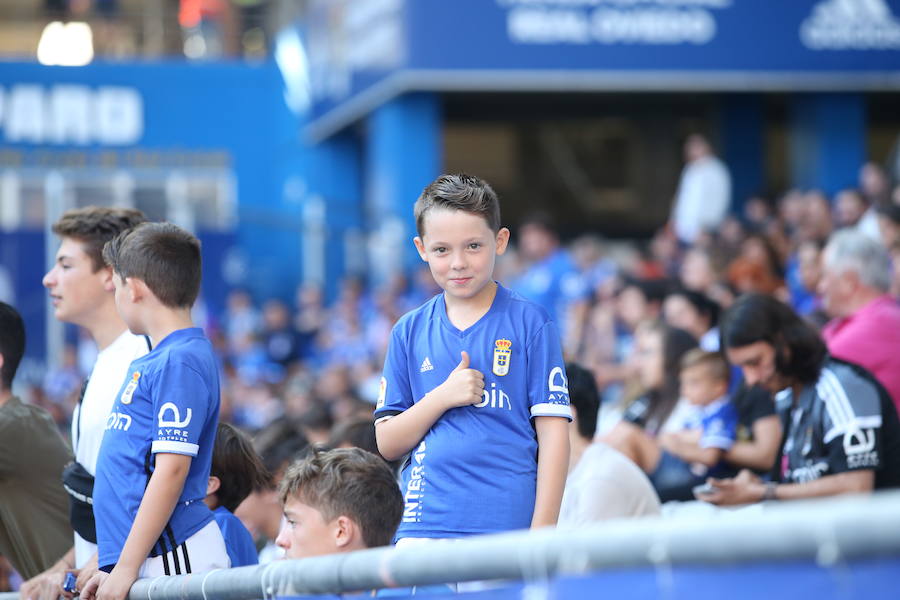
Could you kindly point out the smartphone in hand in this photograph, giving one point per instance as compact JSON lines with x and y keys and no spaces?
{"x":703,"y":490}
{"x":69,"y":582}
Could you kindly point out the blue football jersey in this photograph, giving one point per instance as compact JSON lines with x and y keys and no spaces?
{"x":168,"y":403}
{"x":476,"y":469}
{"x":718,"y":422}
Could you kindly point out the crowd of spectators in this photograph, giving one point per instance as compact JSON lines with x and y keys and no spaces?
{"x":318,"y":363}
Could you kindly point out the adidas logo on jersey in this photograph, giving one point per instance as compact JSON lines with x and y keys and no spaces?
{"x":426,"y":365}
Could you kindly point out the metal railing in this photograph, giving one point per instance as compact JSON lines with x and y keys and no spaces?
{"x":826,"y":532}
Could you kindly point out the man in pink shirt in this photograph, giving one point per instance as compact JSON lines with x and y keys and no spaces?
{"x":866,"y":320}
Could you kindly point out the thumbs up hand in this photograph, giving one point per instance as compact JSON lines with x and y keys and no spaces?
{"x":463,"y":363}
{"x":464,"y":386}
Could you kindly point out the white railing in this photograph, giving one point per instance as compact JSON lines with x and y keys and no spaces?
{"x":825,"y":531}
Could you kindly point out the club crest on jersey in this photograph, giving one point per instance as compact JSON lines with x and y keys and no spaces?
{"x":128,"y":392}
{"x":502,"y":352}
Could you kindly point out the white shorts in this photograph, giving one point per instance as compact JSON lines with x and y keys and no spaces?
{"x":203,"y":551}
{"x":456,"y":588}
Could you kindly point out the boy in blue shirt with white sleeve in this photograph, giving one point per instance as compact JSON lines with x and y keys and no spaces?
{"x":154,"y":462}
{"x":474,"y":384}
{"x":236,"y":471}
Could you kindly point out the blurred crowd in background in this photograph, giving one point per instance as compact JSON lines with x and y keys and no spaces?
{"x":315,"y":366}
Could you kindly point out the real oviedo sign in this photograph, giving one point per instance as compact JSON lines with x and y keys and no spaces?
{"x":70,"y":115}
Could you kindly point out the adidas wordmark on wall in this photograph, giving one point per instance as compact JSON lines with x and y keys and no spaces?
{"x":851,"y":25}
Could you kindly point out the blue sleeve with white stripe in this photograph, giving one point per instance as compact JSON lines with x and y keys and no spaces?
{"x":179,"y":407}
{"x":548,"y":388}
{"x":395,"y":395}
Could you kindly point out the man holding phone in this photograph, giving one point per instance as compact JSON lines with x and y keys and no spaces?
{"x":841,"y":432}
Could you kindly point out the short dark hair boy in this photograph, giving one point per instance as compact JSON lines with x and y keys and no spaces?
{"x":235,"y":472}
{"x":514,"y":352}
{"x":164,"y":416}
{"x":237,"y":466}
{"x":164,"y":256}
{"x":459,"y":192}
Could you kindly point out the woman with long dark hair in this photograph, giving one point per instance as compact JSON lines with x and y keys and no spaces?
{"x":659,"y":348}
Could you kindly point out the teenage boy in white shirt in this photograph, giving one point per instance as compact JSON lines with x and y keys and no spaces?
{"x":82,"y":292}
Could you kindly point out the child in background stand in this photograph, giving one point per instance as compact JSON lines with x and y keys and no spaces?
{"x":236,"y":471}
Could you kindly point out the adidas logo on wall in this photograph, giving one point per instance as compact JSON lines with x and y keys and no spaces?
{"x":851,"y":25}
{"x":426,"y":365}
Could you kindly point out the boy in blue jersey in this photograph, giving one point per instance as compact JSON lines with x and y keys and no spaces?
{"x":474,"y":384}
{"x":154,"y":461}
{"x":236,"y":471}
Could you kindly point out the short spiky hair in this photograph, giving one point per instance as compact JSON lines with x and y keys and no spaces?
{"x":459,"y":192}
{"x":163,"y":256}
{"x":348,"y":482}
{"x":93,"y":226}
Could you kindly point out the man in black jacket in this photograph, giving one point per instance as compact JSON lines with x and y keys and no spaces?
{"x":841,"y":432}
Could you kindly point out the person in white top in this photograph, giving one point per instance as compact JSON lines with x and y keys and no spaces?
{"x":82,"y":293}
{"x":704,"y":192}
{"x":602,"y":483}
